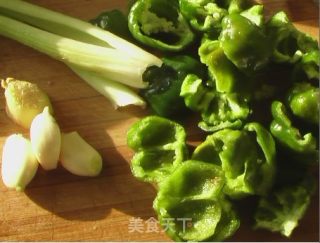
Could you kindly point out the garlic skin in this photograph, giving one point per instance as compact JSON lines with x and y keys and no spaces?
{"x":24,"y":100}
{"x":19,"y":165}
{"x":79,"y":157}
{"x":45,"y":139}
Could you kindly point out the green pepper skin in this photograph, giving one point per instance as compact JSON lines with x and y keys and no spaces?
{"x":289,"y":44}
{"x":281,"y":210}
{"x":244,"y":43}
{"x":193,"y":192}
{"x":280,"y":29}
{"x":206,"y":16}
{"x":255,"y":15}
{"x":203,"y":16}
{"x":304,"y":101}
{"x":307,"y":68}
{"x":218,"y":110}
{"x":224,"y":73}
{"x":310,"y":64}
{"x":163,"y":91}
{"x":266,"y":143}
{"x":159,"y":146}
{"x":248,"y":164}
{"x":236,"y":6}
{"x":287,"y":135}
{"x":114,"y":21}
{"x":159,"y":24}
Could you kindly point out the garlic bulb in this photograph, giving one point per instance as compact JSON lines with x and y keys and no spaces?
{"x":24,"y":101}
{"x":46,"y":139}
{"x":19,"y":165}
{"x":79,"y":157}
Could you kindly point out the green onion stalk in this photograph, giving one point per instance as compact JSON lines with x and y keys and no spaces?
{"x":108,"y":63}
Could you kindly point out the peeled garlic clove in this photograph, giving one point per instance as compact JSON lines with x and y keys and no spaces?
{"x":19,"y":165}
{"x":79,"y":157}
{"x":46,"y":139}
{"x":24,"y":101}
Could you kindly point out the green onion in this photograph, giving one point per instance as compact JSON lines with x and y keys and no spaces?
{"x":98,"y":56}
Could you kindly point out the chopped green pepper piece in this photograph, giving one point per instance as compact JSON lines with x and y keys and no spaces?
{"x":255,"y":14}
{"x":266,"y":143}
{"x":218,"y":110}
{"x":304,"y":101}
{"x":244,"y":43}
{"x":165,"y":83}
{"x":308,"y":67}
{"x":310,"y":64}
{"x":289,"y":44}
{"x":159,"y":24}
{"x":287,"y":135}
{"x":224,"y":73}
{"x":206,"y":15}
{"x":248,"y":164}
{"x":283,"y":208}
{"x":203,"y":15}
{"x":196,"y":96}
{"x":236,"y":6}
{"x":159,"y":145}
{"x":192,"y":198}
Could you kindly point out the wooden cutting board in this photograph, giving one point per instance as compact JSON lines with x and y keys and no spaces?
{"x":58,"y":206}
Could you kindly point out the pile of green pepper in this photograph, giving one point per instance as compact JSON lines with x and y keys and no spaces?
{"x":262,"y":130}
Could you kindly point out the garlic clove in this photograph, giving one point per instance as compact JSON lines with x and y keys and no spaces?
{"x":19,"y":165}
{"x":24,"y":100}
{"x":79,"y":157}
{"x":45,"y":139}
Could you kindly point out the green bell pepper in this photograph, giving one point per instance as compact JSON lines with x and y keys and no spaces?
{"x":246,"y":156}
{"x":193,"y":193}
{"x":235,"y":6}
{"x":310,"y":64}
{"x":293,"y":147}
{"x":218,"y":110}
{"x":304,"y":101}
{"x":289,"y":44}
{"x":206,"y":15}
{"x":281,"y":210}
{"x":163,"y":91}
{"x":308,"y":67}
{"x":225,"y":75}
{"x":286,"y":134}
{"x":255,"y":14}
{"x":244,"y":43}
{"x":203,"y":15}
{"x":159,"y":146}
{"x":159,"y":24}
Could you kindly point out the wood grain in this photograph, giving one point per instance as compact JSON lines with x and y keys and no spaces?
{"x":58,"y":206}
